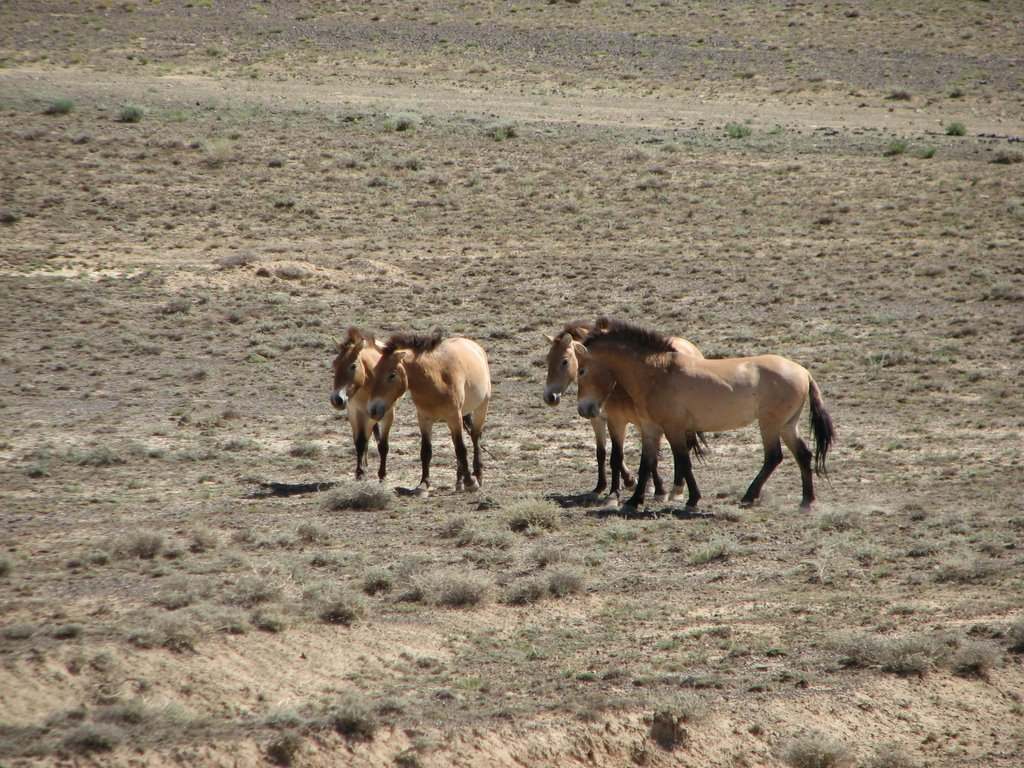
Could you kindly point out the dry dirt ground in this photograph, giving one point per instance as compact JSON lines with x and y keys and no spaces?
{"x":755,"y":176}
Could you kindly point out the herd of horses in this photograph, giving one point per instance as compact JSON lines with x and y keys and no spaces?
{"x":625,"y":374}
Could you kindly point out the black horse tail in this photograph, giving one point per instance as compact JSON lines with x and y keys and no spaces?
{"x":698,"y":445}
{"x":824,"y":430}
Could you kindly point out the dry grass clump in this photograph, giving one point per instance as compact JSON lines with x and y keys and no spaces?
{"x":531,"y":514}
{"x":974,"y":659}
{"x":377,"y":580}
{"x":715,"y":550}
{"x":545,"y":554}
{"x":311,"y":533}
{"x":251,"y":591}
{"x":130,"y":712}
{"x":959,"y":572}
{"x":838,"y":520}
{"x":341,"y":607}
{"x":526,"y":591}
{"x":93,"y":737}
{"x":283,"y":749}
{"x":175,"y":634}
{"x":912,"y":655}
{"x":144,"y":546}
{"x":352,"y":718}
{"x":362,"y":499}
{"x":203,"y":540}
{"x":890,"y":756}
{"x":816,"y":750}
{"x":268,"y":620}
{"x":5,"y":566}
{"x":403,"y":121}
{"x":450,"y":589}
{"x":1015,"y":635}
{"x":59,"y":107}
{"x":452,"y":527}
{"x":96,"y":456}
{"x":565,"y":582}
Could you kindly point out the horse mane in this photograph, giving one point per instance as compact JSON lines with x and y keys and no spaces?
{"x":610,"y":331}
{"x":417,"y":342}
{"x":577,"y":329}
{"x":354,"y":333}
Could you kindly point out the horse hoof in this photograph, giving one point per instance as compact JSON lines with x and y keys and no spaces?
{"x":661,"y":497}
{"x":471,"y":485}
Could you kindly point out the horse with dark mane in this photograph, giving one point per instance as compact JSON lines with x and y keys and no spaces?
{"x":676,"y":395}
{"x":449,"y":380}
{"x":616,"y":412}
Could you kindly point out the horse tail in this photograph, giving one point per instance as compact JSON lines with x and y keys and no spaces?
{"x":467,"y":421}
{"x":821,"y":425}
{"x":698,"y":445}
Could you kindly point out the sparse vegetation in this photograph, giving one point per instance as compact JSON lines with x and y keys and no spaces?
{"x":956,"y":129}
{"x":895,"y":147}
{"x":502,"y":131}
{"x":361,"y":500}
{"x":144,"y":546}
{"x":715,"y":550}
{"x":352,"y":718}
{"x":737,"y":130}
{"x":974,"y":659}
{"x":59,"y":107}
{"x":377,"y":580}
{"x":816,"y":750}
{"x":130,"y":113}
{"x":341,"y":607}
{"x":403,"y":121}
{"x":531,"y":514}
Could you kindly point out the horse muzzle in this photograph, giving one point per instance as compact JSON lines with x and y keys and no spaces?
{"x":552,"y":398}
{"x":588,"y":409}
{"x":377,"y":409}
{"x":339,"y":400}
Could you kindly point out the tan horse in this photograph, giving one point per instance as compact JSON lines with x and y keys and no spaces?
{"x":617,"y":411}
{"x":677,"y":394}
{"x":449,"y":381}
{"x":357,"y":355}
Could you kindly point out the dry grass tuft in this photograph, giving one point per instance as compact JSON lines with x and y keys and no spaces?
{"x":377,"y":580}
{"x":816,"y":750}
{"x":362,"y":499}
{"x":912,"y":655}
{"x":565,"y":582}
{"x":452,"y":589}
{"x":974,"y":659}
{"x":341,"y":607}
{"x":1015,"y":634}
{"x":283,"y":749}
{"x":92,"y":737}
{"x":144,"y":546}
{"x":522,"y":516}
{"x":352,"y":718}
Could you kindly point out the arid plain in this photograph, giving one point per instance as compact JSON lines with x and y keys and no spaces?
{"x":197,"y":199}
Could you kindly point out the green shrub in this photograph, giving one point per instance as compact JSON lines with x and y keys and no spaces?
{"x":59,"y":107}
{"x":956,"y":129}
{"x":737,"y":130}
{"x":130,"y":114}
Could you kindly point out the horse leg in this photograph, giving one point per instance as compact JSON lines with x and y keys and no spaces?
{"x":651,"y":437}
{"x":659,"y":487}
{"x":617,"y":430}
{"x":475,"y":431}
{"x":772,"y":459}
{"x":426,"y":453}
{"x":381,"y":430}
{"x":684,"y":470}
{"x":463,"y":479}
{"x":600,"y":438}
{"x":359,"y":437}
{"x":803,"y":457}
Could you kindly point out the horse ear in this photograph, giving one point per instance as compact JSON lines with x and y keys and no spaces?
{"x":404,"y":355}
{"x":565,"y":340}
{"x":356,"y":338}
{"x":582,"y":352}
{"x":379,"y":345}
{"x":550,"y":339}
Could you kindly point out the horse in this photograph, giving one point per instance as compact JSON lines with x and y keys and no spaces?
{"x":357,"y":354}
{"x":676,"y":395}
{"x":449,"y":381}
{"x":617,"y":412}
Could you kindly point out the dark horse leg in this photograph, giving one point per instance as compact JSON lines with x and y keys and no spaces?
{"x":475,"y":422}
{"x":463,"y":479}
{"x":381,"y":430}
{"x":772,"y":459}
{"x":426,"y":453}
{"x":359,"y":437}
{"x":803,"y":457}
{"x":600,"y":434}
{"x":651,"y":436}
{"x":684,"y":469}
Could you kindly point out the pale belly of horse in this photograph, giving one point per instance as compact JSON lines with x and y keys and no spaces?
{"x":723,"y":417}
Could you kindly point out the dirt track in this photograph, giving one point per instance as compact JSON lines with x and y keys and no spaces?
{"x":172,"y":288}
